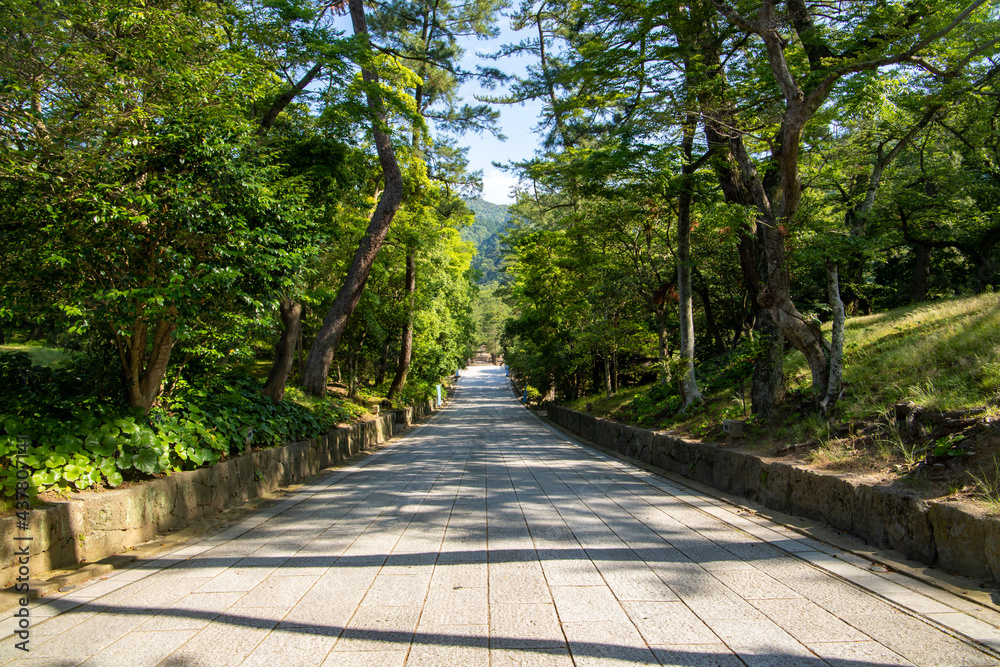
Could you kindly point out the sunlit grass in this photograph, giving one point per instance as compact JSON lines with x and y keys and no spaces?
{"x":258,"y":368}
{"x":50,"y":357}
{"x":944,"y":355}
{"x":604,"y":405}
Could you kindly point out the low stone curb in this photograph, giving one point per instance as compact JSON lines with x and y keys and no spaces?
{"x":84,"y":534}
{"x":953,"y":538}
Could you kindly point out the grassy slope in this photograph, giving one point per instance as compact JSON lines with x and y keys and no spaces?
{"x":943,"y":355}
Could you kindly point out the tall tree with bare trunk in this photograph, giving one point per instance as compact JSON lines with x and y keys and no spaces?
{"x":325,"y":345}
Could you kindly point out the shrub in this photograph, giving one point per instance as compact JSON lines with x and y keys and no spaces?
{"x":79,"y":440}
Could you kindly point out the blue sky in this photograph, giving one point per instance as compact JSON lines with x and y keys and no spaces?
{"x":517,"y":122}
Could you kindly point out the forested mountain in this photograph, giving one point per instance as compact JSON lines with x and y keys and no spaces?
{"x":491,"y":220}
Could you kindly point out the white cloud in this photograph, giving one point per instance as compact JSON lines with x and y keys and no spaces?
{"x":497,"y":186}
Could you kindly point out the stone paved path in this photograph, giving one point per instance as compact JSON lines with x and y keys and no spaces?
{"x":485,"y":538}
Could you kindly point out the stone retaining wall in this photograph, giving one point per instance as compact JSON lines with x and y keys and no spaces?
{"x":92,"y":526}
{"x":942,"y":534}
{"x":411,"y":414}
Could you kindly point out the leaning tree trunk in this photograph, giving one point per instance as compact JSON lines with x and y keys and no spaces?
{"x":284,"y":352}
{"x":325,"y":345}
{"x":836,"y":367}
{"x":767,"y":384}
{"x":143,"y":373}
{"x":406,"y":347}
{"x":805,"y":336}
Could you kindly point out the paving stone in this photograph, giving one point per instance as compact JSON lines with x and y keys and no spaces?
{"x":450,"y":645}
{"x":459,"y":656}
{"x":918,"y":642}
{"x":364,"y":659}
{"x":754,"y":585}
{"x":223,"y":643}
{"x":59,"y":624}
{"x":975,"y":628}
{"x":397,"y":590}
{"x":762,"y":642}
{"x":850,"y":654}
{"x":277,"y":591}
{"x":322,"y":609}
{"x":713,"y":601}
{"x":303,"y":647}
{"x":808,"y":622}
{"x":517,"y":582}
{"x":379,"y":629}
{"x":697,"y":655}
{"x":192,"y":612}
{"x":530,"y":658}
{"x":668,"y":623}
{"x":587,"y":604}
{"x":525,"y":626}
{"x":607,"y":643}
{"x":140,"y":649}
{"x":637,"y":583}
{"x":456,"y":606}
{"x":566,"y":567}
{"x":91,"y":636}
{"x":459,"y":575}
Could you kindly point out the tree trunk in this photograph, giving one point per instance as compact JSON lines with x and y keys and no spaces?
{"x":550,"y":393}
{"x":690,"y":393}
{"x":142,"y":374}
{"x":701,"y":287}
{"x":596,"y":371}
{"x":985,"y":270}
{"x":352,"y":373}
{"x":921,"y":273}
{"x":383,"y":361}
{"x":328,"y":337}
{"x":284,"y":351}
{"x":804,"y":336}
{"x":662,"y":347}
{"x":608,"y":390}
{"x":836,"y":368}
{"x":768,"y":384}
{"x":768,"y":374}
{"x":406,"y":347}
{"x":615,"y":379}
{"x":300,"y":345}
